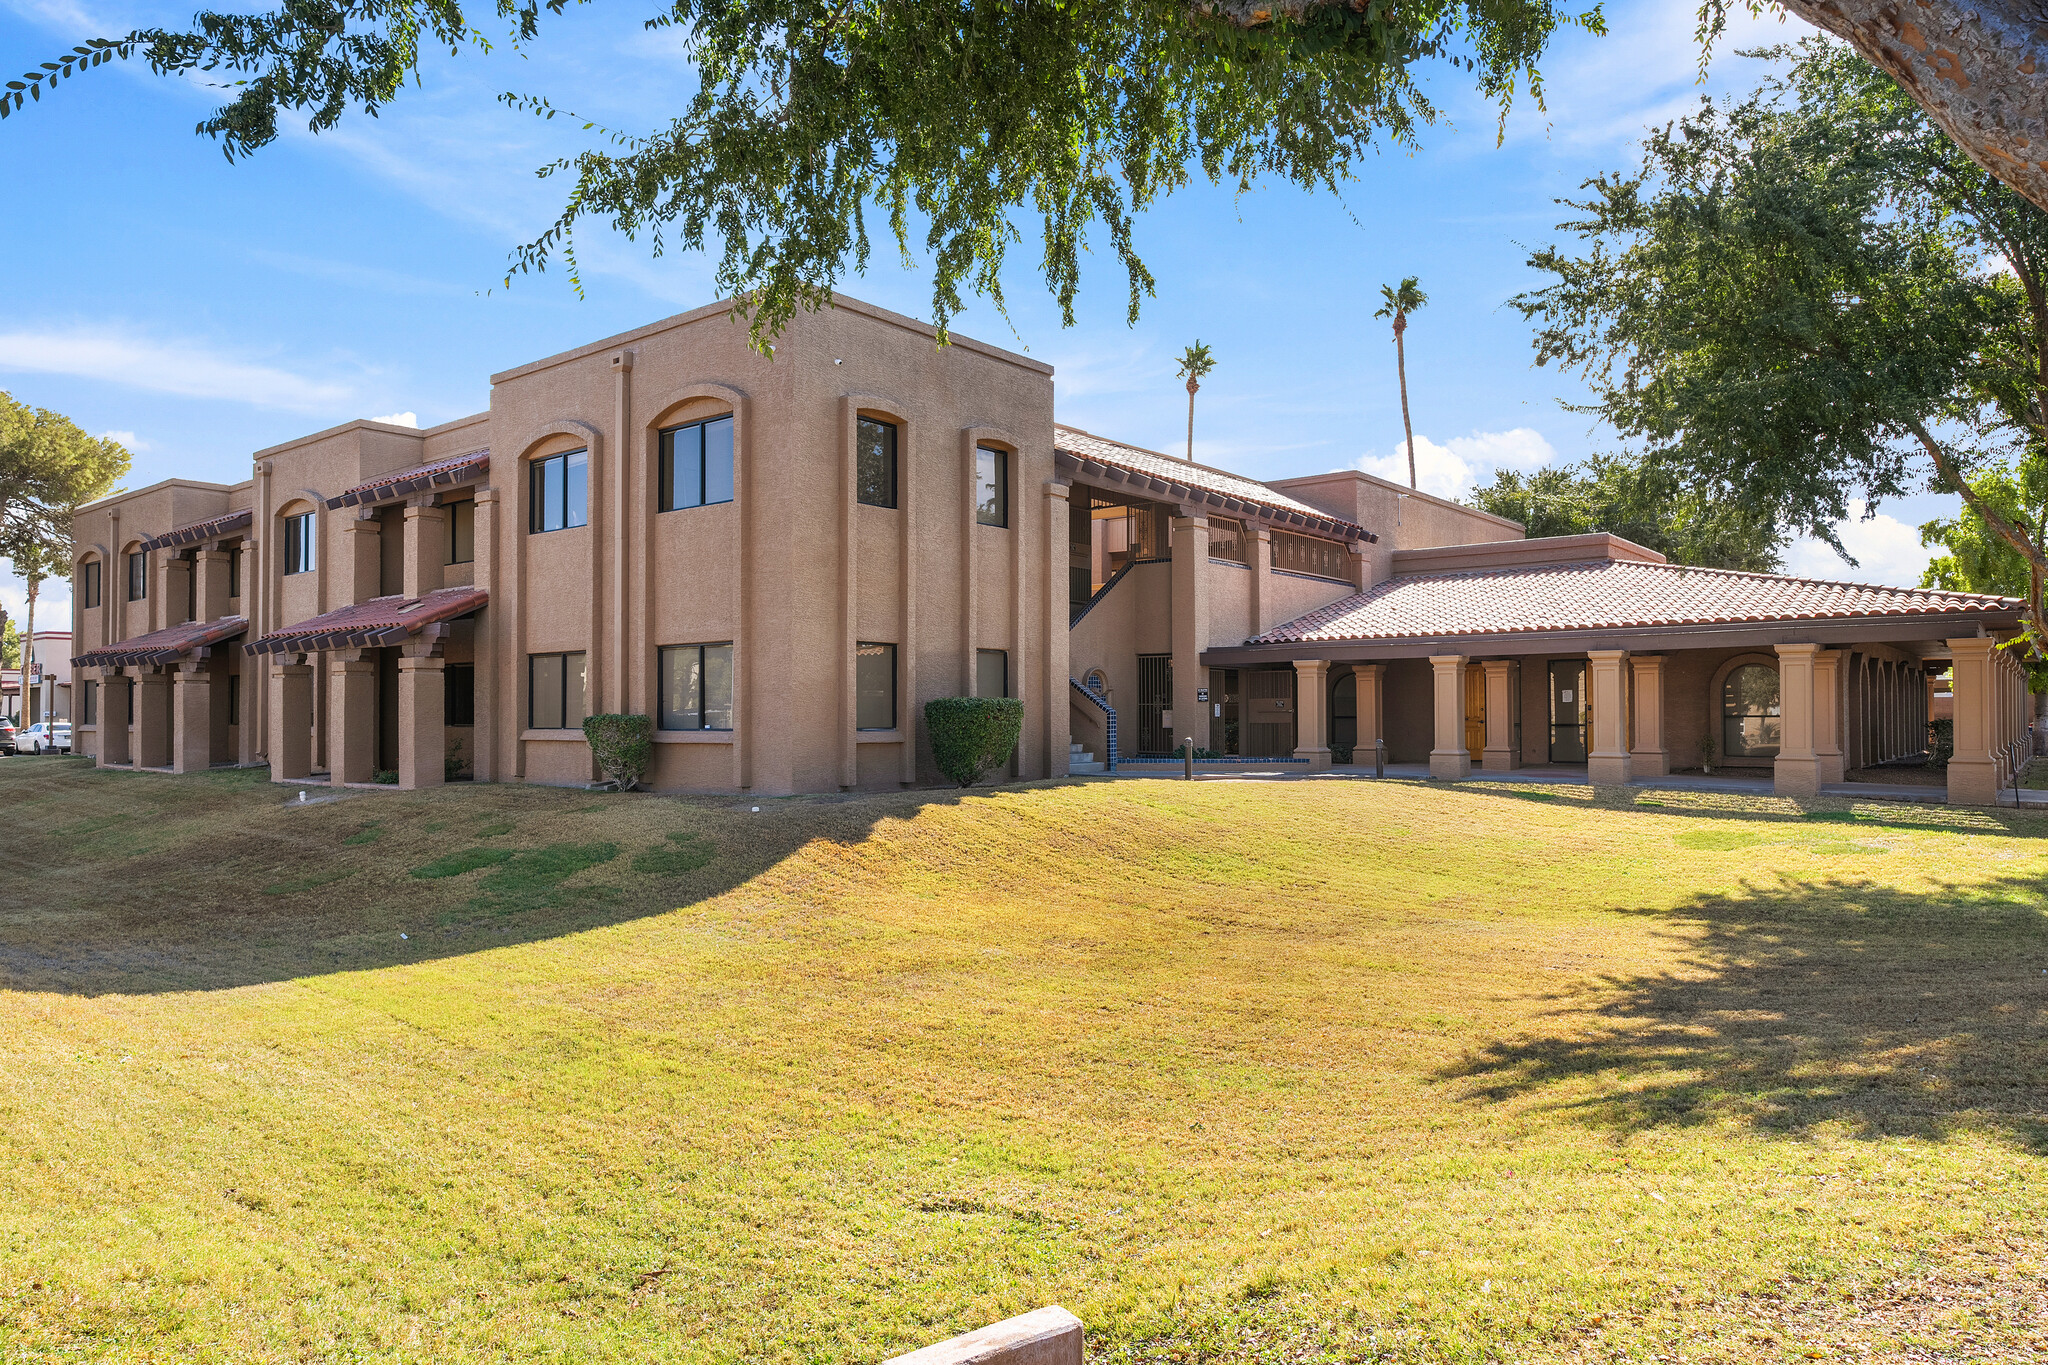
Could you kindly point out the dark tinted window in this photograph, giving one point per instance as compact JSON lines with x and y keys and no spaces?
{"x":992,"y":486}
{"x":299,"y":539}
{"x":138,"y":575}
{"x":462,"y":531}
{"x":560,"y":495}
{"x":89,"y":583}
{"x":874,"y":476}
{"x":458,"y":697}
{"x":554,"y":698}
{"x":696,"y":464}
{"x":696,"y":687}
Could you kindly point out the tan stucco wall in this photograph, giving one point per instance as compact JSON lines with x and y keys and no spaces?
{"x":1402,"y":518}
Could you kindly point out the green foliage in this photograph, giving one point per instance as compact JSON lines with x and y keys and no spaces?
{"x":686,"y":851}
{"x":1643,"y":501}
{"x":1196,"y":362}
{"x":971,"y":116}
{"x":368,"y":834}
{"x":532,"y":880}
{"x":1796,"y":292}
{"x":972,"y":736}
{"x":48,"y":466}
{"x":468,"y":860}
{"x":10,"y":644}
{"x":1402,"y":299}
{"x":385,"y":777}
{"x":622,"y":745}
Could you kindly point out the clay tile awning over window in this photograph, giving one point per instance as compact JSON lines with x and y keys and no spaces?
{"x":366,"y":625}
{"x":226,"y":524}
{"x":165,"y":646}
{"x":461,"y":469}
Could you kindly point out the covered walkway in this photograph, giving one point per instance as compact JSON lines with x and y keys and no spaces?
{"x":169,"y":700}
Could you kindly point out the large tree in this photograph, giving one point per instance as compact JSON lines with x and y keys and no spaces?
{"x":48,"y":466}
{"x":971,"y":116}
{"x":1640,"y":502}
{"x":1808,"y":299}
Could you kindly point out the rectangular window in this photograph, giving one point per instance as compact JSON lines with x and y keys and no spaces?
{"x":92,"y":703}
{"x":1228,"y":539}
{"x":554,"y":695}
{"x":696,"y":464}
{"x":299,"y":540}
{"x":991,"y":673}
{"x":138,"y":575}
{"x":89,"y":583}
{"x":874,"y":687}
{"x":874,"y":477}
{"x":991,"y":486}
{"x":560,"y":496}
{"x":462,"y":531}
{"x":458,"y":694}
{"x":1306,"y":554}
{"x":235,"y":572}
{"x":234,"y":699}
{"x":696,"y":687}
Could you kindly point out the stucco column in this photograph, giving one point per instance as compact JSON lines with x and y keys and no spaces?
{"x":490,"y":641}
{"x":422,"y":713}
{"x":1607,"y":760}
{"x":362,"y":556}
{"x":192,"y":703}
{"x":291,"y":718}
{"x":1258,"y":549}
{"x":426,"y":545}
{"x":168,"y":593}
{"x":117,"y":700}
{"x":1448,"y":756}
{"x":1647,"y":755}
{"x":211,"y":593}
{"x":152,"y":717}
{"x":1058,"y":723}
{"x":351,"y":716}
{"x":1797,"y":770}
{"x":1972,"y":772}
{"x":1312,"y":712}
{"x":1500,"y":754}
{"x":1372,"y":682}
{"x":1830,"y":761}
{"x":1190,"y":627}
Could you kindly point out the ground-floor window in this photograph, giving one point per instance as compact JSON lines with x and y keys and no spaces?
{"x":458,"y":694}
{"x":92,"y":703}
{"x":1750,"y":717}
{"x":554,"y":691}
{"x":991,"y":673}
{"x":696,"y":687}
{"x":874,"y":686}
{"x":234,"y":699}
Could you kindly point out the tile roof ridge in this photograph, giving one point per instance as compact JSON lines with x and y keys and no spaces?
{"x":1160,"y":455}
{"x":1821,"y":582}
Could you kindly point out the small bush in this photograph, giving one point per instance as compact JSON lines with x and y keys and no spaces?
{"x":1340,"y":753}
{"x":1941,"y":743}
{"x":973,"y":736}
{"x":385,"y":777}
{"x":622,"y":745}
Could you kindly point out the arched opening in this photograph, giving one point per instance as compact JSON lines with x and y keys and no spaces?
{"x":1750,"y":712}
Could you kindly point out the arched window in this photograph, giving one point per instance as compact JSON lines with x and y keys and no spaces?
{"x":1097,"y":682}
{"x":1750,"y":713}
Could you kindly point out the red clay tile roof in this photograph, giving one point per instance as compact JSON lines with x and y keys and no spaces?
{"x":197,"y":531}
{"x":1173,"y":480}
{"x":165,"y":646}
{"x":1604,"y":595}
{"x":379,"y":621}
{"x":461,"y":469}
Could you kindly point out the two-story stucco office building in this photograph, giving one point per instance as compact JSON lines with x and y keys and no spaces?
{"x":779,"y":559}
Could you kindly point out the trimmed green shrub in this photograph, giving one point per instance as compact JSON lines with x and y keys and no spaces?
{"x":973,"y":736}
{"x":1941,"y":743}
{"x":622,"y":745}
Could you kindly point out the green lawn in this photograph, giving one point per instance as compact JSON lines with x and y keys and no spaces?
{"x":1236,"y":1071}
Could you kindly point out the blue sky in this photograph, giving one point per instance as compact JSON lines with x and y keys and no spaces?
{"x":204,"y":310}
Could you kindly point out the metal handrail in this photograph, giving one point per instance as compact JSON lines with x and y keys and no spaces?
{"x":1108,"y":711}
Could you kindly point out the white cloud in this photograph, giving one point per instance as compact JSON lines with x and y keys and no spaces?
{"x":186,"y":368}
{"x":1451,"y":470}
{"x":399,"y":419}
{"x":1887,"y":550}
{"x":128,"y":440}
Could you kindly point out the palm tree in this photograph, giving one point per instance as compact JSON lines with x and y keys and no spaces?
{"x":1398,"y":304}
{"x":1195,"y":362}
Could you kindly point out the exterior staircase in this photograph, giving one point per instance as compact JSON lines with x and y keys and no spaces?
{"x":1081,"y":764}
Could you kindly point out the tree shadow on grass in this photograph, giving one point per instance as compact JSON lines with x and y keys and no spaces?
{"x":125,"y":883}
{"x":1845,"y":1002}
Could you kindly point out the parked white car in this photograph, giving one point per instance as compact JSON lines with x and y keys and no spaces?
{"x":51,"y":737}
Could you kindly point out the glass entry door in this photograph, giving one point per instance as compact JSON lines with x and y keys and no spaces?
{"x":1569,"y":713}
{"x":1223,"y":703}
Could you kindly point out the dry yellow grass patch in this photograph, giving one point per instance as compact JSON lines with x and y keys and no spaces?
{"x":1233,"y":1070}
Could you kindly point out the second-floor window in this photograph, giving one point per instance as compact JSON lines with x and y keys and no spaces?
{"x":561,"y":492}
{"x":696,"y":464}
{"x":299,"y":540}
{"x":874,"y":463}
{"x":235,"y":572}
{"x":462,"y":531}
{"x":138,"y":575}
{"x":89,"y":583}
{"x":991,"y":486}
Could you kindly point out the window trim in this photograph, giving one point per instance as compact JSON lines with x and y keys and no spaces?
{"x":661,"y":677}
{"x":895,"y":687}
{"x":665,"y":464}
{"x":895,"y":430}
{"x":1002,"y":483}
{"x":536,"y":504}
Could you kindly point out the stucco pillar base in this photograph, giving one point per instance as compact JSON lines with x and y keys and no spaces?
{"x":291,"y":722}
{"x":152,"y":720}
{"x":1972,"y":782}
{"x":351,"y":718}
{"x":1498,"y":760}
{"x":422,"y":732}
{"x":1610,"y":770}
{"x":1448,"y":756}
{"x":1797,"y":776}
{"x":192,"y":700}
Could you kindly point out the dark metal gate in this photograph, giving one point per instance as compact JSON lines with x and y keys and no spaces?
{"x":1155,"y":701}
